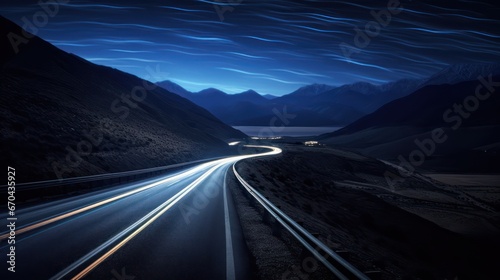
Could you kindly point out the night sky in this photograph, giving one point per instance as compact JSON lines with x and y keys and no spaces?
{"x":273,"y":47}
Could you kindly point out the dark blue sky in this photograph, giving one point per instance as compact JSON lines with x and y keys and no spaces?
{"x":273,"y":47}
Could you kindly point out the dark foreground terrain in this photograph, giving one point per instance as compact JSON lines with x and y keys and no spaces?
{"x":416,"y":229}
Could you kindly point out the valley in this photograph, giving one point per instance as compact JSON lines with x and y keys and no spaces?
{"x":243,"y":141}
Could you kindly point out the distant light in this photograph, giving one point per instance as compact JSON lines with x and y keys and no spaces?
{"x":234,"y":143}
{"x":311,"y":143}
{"x":267,"y":138}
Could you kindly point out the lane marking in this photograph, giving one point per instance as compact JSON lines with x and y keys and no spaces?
{"x":230,"y":272}
{"x":149,"y":218}
{"x":103,"y":202}
{"x":42,"y":223}
{"x":167,"y":205}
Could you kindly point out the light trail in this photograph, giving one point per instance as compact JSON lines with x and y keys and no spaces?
{"x":109,"y":200}
{"x":155,"y":215}
{"x":159,"y":211}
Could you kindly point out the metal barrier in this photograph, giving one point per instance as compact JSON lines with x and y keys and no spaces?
{"x":340,"y":267}
{"x":56,"y":187}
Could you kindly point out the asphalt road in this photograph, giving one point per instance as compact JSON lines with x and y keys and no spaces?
{"x":178,"y":226}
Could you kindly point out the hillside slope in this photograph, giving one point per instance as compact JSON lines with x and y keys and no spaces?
{"x":63,"y":116}
{"x":468,"y":124}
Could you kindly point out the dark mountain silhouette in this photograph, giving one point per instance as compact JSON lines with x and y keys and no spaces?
{"x":63,"y":114}
{"x":311,"y":90}
{"x":231,"y":108}
{"x":462,"y":72}
{"x":366,"y":97}
{"x":319,"y":104}
{"x":270,"y":96}
{"x":342,"y":105}
{"x":313,"y":105}
{"x":471,"y":127}
{"x":174,"y":88}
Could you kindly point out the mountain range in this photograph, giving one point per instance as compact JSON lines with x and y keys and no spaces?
{"x":63,"y":116}
{"x":445,"y":128}
{"x":389,"y":121}
{"x":320,"y":104}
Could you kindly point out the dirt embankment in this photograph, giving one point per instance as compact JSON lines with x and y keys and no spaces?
{"x":418,"y":230}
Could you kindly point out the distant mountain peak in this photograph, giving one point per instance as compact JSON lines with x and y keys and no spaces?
{"x":250,"y":95}
{"x":360,"y":87}
{"x":211,"y":91}
{"x":312,"y":90}
{"x":362,"y":83}
{"x":463,"y":72}
{"x":249,"y":92}
{"x":174,"y":88}
{"x":167,"y":82}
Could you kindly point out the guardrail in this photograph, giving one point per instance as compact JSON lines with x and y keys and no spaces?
{"x":51,"y":188}
{"x":340,"y":267}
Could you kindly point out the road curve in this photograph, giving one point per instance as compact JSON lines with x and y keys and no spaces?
{"x":178,"y":226}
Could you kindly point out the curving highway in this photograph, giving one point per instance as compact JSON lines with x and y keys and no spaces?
{"x":179,"y":226}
